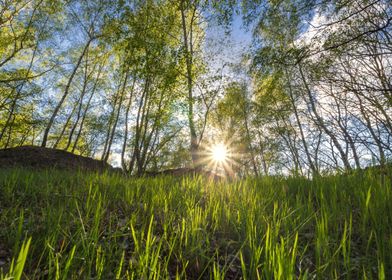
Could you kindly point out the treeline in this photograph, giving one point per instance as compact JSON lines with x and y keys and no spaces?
{"x":132,"y":82}
{"x":95,"y":77}
{"x":325,"y":93}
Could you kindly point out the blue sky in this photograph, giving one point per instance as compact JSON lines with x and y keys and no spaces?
{"x":239,"y":33}
{"x":227,"y":49}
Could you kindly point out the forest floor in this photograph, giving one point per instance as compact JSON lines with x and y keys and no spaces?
{"x":85,"y":225}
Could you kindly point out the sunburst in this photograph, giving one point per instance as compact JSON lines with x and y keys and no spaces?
{"x":219,"y":153}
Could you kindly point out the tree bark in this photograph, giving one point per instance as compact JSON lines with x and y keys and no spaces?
{"x":188,"y":46}
{"x":83,"y":93}
{"x":87,"y":108}
{"x":291,"y":95}
{"x":126,"y":128}
{"x":106,"y":157}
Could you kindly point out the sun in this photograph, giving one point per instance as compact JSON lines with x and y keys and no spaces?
{"x":219,"y":153}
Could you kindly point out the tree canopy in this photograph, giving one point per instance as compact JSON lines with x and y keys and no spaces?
{"x":134,"y":83}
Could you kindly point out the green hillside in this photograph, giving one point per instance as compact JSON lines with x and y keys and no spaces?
{"x":90,"y":226}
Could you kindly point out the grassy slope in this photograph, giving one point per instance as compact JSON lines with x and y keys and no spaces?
{"x":103,"y":227}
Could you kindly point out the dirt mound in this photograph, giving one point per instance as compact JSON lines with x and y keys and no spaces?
{"x":41,"y":158}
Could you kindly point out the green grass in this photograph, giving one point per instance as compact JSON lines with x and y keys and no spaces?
{"x":60,"y":225}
